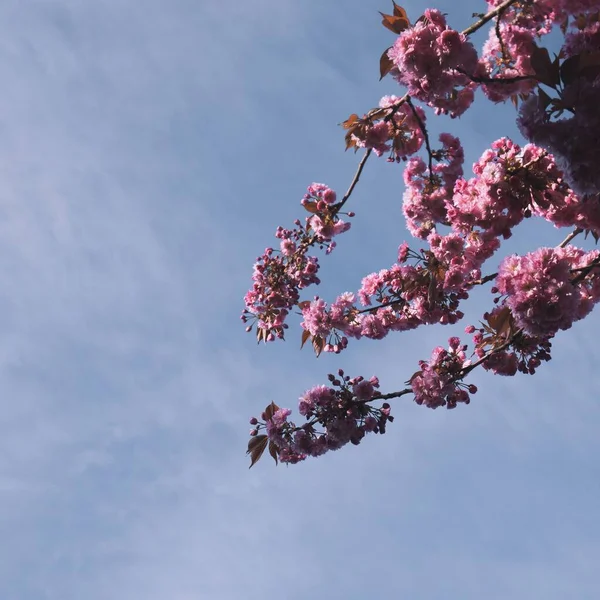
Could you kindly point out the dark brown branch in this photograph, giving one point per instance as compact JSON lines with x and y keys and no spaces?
{"x":489,"y":80}
{"x":357,"y":175}
{"x":570,"y":237}
{"x":392,"y":394}
{"x":488,"y":17}
{"x":485,"y":279}
{"x":425,"y":135}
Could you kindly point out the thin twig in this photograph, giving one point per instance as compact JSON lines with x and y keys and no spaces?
{"x":357,"y":175}
{"x":485,"y":279}
{"x":393,"y":394}
{"x":570,"y":237}
{"x":425,"y":135}
{"x":505,"y":57}
{"x":488,"y":17}
{"x":490,"y":80}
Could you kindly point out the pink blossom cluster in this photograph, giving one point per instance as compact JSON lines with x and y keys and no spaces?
{"x":509,"y":182}
{"x":398,"y":299}
{"x":406,"y":296}
{"x":340,"y":410}
{"x":398,"y":132}
{"x":332,"y":323}
{"x":508,"y":52}
{"x":279,"y":275}
{"x":325,"y":222}
{"x":426,"y":194}
{"x":538,"y":16}
{"x":541,"y":15}
{"x":503,"y":349}
{"x":542,"y":290}
{"x":430,"y":59}
{"x":438,"y":382}
{"x":507,"y":59}
{"x":460,"y":258}
{"x":462,"y":221}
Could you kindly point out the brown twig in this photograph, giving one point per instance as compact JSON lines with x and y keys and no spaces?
{"x":488,"y":17}
{"x":357,"y":175}
{"x":425,"y":135}
{"x":570,"y":237}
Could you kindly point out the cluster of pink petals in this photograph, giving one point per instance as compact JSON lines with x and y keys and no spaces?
{"x":509,"y":182}
{"x":429,"y":59}
{"x":555,"y":176}
{"x":279,"y":275}
{"x":538,"y":16}
{"x":426,"y":194}
{"x":506,"y":58}
{"x":540,"y":289}
{"x":399,"y":132}
{"x":341,"y":412}
{"x":438,"y":382}
{"x":509,"y":351}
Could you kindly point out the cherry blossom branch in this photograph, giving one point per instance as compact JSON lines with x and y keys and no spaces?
{"x":488,"y":17}
{"x":505,"y":80}
{"x":425,"y":135}
{"x":485,"y":279}
{"x":584,"y":271}
{"x":355,"y":180}
{"x":500,"y":40}
{"x":570,"y":237}
{"x":392,"y":395}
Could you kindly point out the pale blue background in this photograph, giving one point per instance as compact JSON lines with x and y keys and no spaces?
{"x":148,"y":150}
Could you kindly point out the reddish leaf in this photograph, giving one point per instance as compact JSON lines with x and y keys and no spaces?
{"x":256,"y":447}
{"x":351,"y":143}
{"x":270,"y":411}
{"x":413,"y":376}
{"x":589,"y":63}
{"x":350,"y":121}
{"x":318,"y":344}
{"x":375,"y":114}
{"x":274,"y":451}
{"x":305,"y":337}
{"x":396,"y":24}
{"x":569,"y":69}
{"x":501,"y":322}
{"x":385,"y":64}
{"x":399,"y":11}
{"x":546,"y":100}
{"x":311,"y":207}
{"x":545,"y":70}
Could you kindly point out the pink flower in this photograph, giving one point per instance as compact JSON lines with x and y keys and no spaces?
{"x":430,"y":59}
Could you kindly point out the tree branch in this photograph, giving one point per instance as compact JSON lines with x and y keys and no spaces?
{"x":488,"y":17}
{"x":357,"y":175}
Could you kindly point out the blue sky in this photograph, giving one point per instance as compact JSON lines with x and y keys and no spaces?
{"x":148,"y":150}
